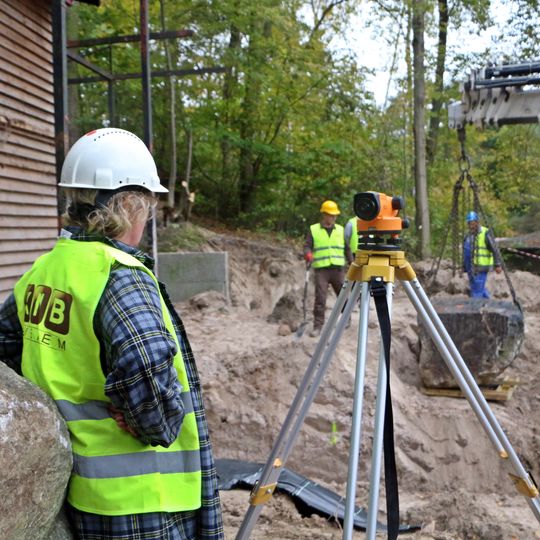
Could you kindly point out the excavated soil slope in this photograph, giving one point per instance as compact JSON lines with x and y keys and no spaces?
{"x":451,"y":480}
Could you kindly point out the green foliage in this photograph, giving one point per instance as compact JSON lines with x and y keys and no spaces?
{"x":290,"y":122}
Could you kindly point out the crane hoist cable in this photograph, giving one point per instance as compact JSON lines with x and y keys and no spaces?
{"x":463,"y":200}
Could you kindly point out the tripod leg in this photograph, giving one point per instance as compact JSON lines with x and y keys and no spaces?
{"x":468,"y":385}
{"x":354,"y":452}
{"x":264,"y":488}
{"x":376,"y":459}
{"x":327,"y":357}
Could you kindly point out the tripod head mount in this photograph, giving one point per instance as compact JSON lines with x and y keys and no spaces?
{"x":377,"y":215}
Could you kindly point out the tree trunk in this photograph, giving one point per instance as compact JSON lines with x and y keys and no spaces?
{"x":189,"y":196}
{"x":422,"y":205}
{"x":228,"y":203}
{"x":172,"y":116}
{"x":248,"y":181}
{"x":437,"y":101}
{"x":407,"y":112}
{"x":246,"y":184}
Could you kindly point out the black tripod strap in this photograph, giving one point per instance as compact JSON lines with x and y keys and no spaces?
{"x":378,"y":290}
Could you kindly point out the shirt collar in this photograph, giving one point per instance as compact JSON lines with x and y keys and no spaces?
{"x":80,"y":235}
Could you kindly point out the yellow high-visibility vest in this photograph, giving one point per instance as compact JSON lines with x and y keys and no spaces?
{"x":353,"y":240}
{"x":113,"y":472}
{"x":482,"y":257}
{"x":328,"y":250}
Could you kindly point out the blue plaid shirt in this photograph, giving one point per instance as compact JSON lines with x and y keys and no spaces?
{"x":136,"y":352}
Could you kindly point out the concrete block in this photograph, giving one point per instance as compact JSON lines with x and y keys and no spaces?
{"x":187,"y":274}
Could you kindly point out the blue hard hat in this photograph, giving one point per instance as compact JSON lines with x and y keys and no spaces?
{"x":472,"y":216}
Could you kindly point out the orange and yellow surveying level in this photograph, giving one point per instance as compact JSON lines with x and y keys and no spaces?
{"x":378,"y":213}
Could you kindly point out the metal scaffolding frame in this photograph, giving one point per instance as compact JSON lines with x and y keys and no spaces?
{"x":61,"y":55}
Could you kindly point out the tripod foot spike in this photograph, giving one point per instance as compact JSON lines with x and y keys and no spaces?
{"x":262,"y":494}
{"x":525,"y":486}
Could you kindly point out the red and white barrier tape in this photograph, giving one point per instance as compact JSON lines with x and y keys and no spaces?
{"x":525,"y":253}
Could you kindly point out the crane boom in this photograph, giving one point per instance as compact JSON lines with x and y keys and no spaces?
{"x":494,"y":96}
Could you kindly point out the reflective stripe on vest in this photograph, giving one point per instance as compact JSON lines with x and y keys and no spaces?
{"x":482,"y":256}
{"x":122,"y":465}
{"x":113,"y":473}
{"x":328,"y":250}
{"x":97,"y":410}
{"x":353,"y":240}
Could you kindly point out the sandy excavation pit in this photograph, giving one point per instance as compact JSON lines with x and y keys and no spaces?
{"x":451,"y":480}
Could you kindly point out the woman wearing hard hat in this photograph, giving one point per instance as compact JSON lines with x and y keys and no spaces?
{"x":116,"y":361}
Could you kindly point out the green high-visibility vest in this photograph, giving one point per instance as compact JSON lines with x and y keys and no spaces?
{"x":328,"y":250}
{"x":482,"y":256}
{"x":353,"y":240}
{"x":113,"y":472}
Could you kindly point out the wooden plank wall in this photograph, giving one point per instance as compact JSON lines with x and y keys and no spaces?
{"x":28,"y":192}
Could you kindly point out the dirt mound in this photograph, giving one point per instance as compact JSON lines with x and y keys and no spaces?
{"x":451,"y":479}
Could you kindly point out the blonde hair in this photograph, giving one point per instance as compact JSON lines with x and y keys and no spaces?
{"x":114,"y":218}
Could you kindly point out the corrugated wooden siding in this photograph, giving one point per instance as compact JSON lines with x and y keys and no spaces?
{"x":28,"y":200}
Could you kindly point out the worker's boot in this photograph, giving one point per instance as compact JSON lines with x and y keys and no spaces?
{"x":316,"y":332}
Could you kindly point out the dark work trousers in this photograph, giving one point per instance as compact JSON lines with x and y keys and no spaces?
{"x":331,"y":275}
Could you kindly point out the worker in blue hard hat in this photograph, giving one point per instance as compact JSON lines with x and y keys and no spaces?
{"x":479,"y":256}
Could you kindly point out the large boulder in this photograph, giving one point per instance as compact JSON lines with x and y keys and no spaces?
{"x":61,"y":529}
{"x":487,"y":333}
{"x":35,"y":460}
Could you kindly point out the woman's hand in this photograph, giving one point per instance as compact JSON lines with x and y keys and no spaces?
{"x":118,"y":416}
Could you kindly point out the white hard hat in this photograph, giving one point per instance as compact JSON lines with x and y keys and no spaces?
{"x":110,"y":158}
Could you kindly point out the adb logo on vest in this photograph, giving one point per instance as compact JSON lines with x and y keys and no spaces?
{"x":50,"y":307}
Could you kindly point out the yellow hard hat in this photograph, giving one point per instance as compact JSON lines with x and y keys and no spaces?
{"x":330,"y":207}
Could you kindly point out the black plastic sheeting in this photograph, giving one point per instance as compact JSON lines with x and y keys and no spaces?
{"x":308,"y":497}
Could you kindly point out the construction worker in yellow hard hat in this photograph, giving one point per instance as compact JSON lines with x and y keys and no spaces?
{"x":325,"y":250}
